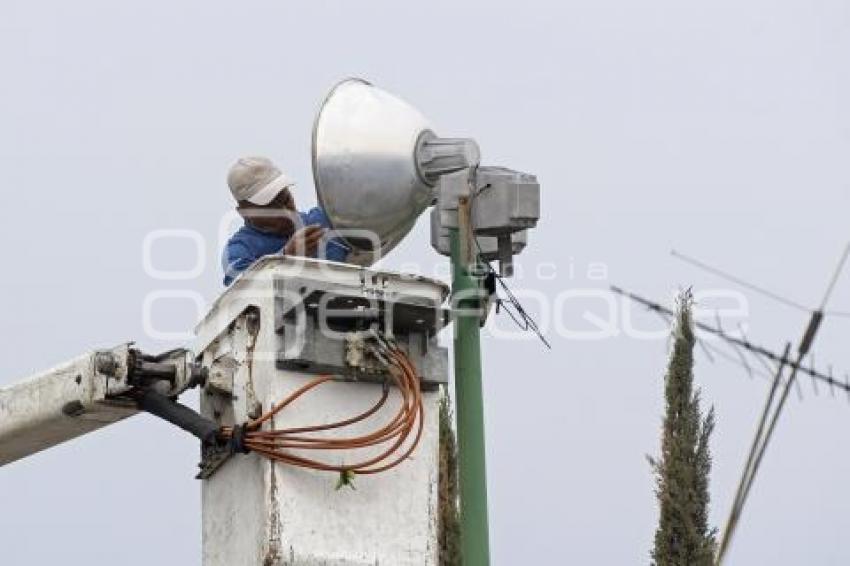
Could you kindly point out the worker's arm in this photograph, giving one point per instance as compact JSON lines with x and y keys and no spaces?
{"x":305,"y":242}
{"x":237,"y":257}
{"x":335,"y":249}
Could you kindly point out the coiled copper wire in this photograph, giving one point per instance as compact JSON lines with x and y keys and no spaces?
{"x":278,"y":444}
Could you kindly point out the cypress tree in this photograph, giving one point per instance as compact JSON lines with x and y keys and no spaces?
{"x":683,"y":536}
{"x":449,"y":513}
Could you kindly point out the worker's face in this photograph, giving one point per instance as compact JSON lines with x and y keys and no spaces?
{"x":277,"y":217}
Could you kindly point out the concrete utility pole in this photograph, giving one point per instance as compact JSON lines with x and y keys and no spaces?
{"x":265,"y":337}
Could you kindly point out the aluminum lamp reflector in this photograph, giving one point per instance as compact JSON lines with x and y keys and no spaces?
{"x":375,"y":163}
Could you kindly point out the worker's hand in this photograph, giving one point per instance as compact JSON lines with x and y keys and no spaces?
{"x":305,"y":241}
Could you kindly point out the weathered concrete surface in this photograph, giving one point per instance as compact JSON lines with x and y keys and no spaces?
{"x":258,"y":512}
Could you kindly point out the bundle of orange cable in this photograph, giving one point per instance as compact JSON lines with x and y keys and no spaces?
{"x":278,"y":445}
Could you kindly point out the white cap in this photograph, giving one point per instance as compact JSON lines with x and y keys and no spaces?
{"x":256,"y":180}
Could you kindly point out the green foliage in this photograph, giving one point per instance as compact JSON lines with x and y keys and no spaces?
{"x":683,"y":537}
{"x":346,"y":479}
{"x":449,"y":520}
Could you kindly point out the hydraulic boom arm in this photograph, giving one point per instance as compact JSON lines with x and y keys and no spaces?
{"x":85,"y":394}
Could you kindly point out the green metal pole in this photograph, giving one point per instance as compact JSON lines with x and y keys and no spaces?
{"x":475,"y":540}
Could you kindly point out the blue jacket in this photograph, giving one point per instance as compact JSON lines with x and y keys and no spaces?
{"x":249,"y":244}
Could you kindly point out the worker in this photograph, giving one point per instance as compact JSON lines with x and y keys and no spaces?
{"x":272,"y":223}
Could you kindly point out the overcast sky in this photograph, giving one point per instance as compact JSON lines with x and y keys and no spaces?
{"x":717,"y":128}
